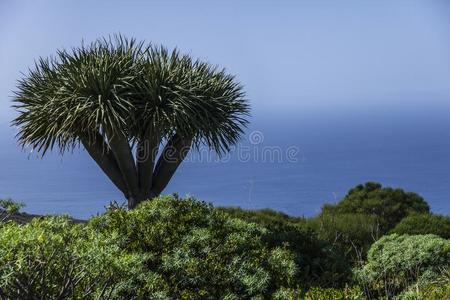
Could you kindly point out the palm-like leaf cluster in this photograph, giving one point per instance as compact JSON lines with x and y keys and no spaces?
{"x":116,"y":93}
{"x":122,"y":86}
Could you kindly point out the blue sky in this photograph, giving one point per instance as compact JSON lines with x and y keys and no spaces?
{"x":290,"y":55}
{"x":361,"y":87}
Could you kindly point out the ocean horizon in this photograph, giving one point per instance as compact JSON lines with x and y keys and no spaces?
{"x":293,"y":161}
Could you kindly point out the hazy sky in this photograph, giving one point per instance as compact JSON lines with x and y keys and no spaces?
{"x":321,"y":75}
{"x":290,"y":55}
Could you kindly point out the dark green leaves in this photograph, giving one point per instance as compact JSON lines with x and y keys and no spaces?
{"x":118,"y":85}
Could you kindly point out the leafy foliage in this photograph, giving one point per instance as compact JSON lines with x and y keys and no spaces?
{"x":167,"y":248}
{"x":196,"y":251}
{"x":320,"y":294}
{"x":389,"y":206}
{"x":427,"y":292}
{"x":436,"y":290}
{"x":51,"y":258}
{"x":351,"y":233}
{"x":172,"y":248}
{"x":122,"y":100}
{"x":186,"y":249}
{"x":121,"y":86}
{"x":320,"y":264}
{"x":424,"y":224}
{"x":395,"y":262}
{"x":8,"y":207}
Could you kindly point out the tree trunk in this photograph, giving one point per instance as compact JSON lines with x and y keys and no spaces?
{"x":98,"y":150}
{"x":171,"y":157}
{"x":139,"y":179}
{"x":134,"y":201}
{"x":121,"y":149}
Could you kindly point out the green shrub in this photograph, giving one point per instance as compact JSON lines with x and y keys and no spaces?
{"x":424,"y":224}
{"x":431,"y":292}
{"x":335,"y":294}
{"x":395,"y":262}
{"x":168,"y":248}
{"x":172,"y":248}
{"x":265,"y":217}
{"x":319,"y":263}
{"x":352,"y":233}
{"x":354,"y":293}
{"x":436,"y":290}
{"x":8,"y":207}
{"x":195,"y":251}
{"x":51,"y":258}
{"x":389,"y":206}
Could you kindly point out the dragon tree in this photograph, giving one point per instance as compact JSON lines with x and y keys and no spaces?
{"x":137,"y":109}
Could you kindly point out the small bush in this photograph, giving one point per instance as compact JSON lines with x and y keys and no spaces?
{"x":197,"y":252}
{"x":424,"y":224}
{"x":436,"y":290}
{"x":395,"y":262}
{"x":389,"y":206}
{"x":172,"y":248}
{"x":320,"y":264}
{"x":430,"y":292}
{"x":352,"y":233}
{"x":354,"y":293}
{"x":51,"y":258}
{"x":8,"y":207}
{"x":335,"y":294}
{"x":168,"y":248}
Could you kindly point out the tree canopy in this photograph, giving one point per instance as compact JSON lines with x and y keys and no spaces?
{"x":121,"y":99}
{"x":389,"y":206}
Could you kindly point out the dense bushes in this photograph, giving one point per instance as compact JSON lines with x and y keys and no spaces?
{"x":172,"y":248}
{"x":8,"y":207}
{"x":351,"y":233}
{"x":366,"y":213}
{"x":424,"y":224}
{"x":389,"y":206}
{"x":168,"y":248}
{"x":196,"y":251}
{"x":439,"y":289}
{"x":53,"y":259}
{"x":354,"y":293}
{"x":320,"y":264}
{"x":395,"y":262}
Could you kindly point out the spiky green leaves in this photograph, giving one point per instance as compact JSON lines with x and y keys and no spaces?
{"x":121,"y":86}
{"x":192,"y":98}
{"x":78,"y":93}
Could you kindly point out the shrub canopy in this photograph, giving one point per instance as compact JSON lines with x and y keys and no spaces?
{"x":395,"y":262}
{"x":51,"y":258}
{"x":352,"y":233}
{"x":197,"y":251}
{"x":424,"y":224}
{"x":319,"y":262}
{"x":169,"y":248}
{"x":389,"y":206}
{"x":173,"y":248}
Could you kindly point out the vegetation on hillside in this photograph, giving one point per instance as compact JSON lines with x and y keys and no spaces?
{"x":396,"y":262}
{"x":424,"y":224}
{"x":173,"y":248}
{"x":138,"y":109}
{"x":387,"y":206}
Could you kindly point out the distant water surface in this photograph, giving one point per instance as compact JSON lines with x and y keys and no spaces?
{"x":402,"y":147}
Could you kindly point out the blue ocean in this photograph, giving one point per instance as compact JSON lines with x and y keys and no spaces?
{"x":289,"y":160}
